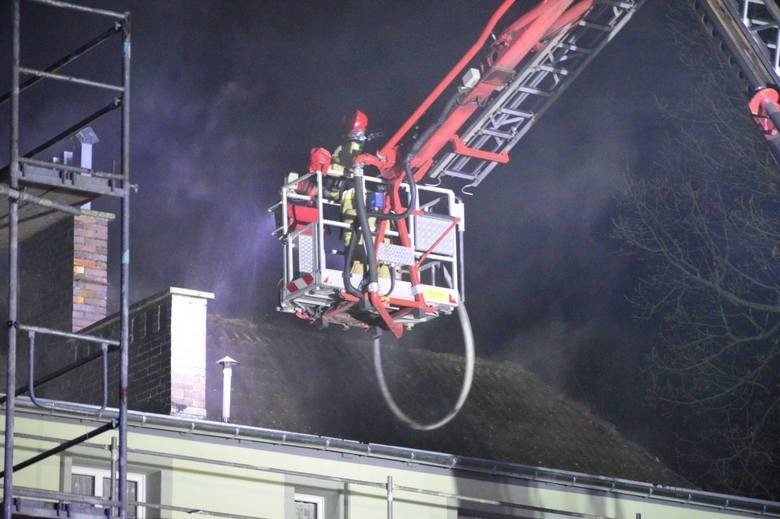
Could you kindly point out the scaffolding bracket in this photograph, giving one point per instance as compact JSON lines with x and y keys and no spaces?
{"x":16,"y":194}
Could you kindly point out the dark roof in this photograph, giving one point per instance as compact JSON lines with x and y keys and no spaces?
{"x":297,"y":378}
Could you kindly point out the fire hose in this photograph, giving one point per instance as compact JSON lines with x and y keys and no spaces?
{"x":468,"y":375}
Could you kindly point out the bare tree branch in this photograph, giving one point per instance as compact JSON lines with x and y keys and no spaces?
{"x":704,"y":221}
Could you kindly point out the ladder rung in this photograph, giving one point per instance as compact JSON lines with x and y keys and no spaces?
{"x":617,"y":3}
{"x":517,"y":113}
{"x":496,"y":133}
{"x":574,"y":48}
{"x":554,"y":70}
{"x":534,"y":91}
{"x":459,"y":174}
{"x":597,"y":26}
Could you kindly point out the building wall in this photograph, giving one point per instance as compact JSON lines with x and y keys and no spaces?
{"x":167,"y":356}
{"x":46,"y":277}
{"x":149,"y":381}
{"x":45,"y":283}
{"x":64,"y":274}
{"x":264,"y":477}
{"x":63,"y":285}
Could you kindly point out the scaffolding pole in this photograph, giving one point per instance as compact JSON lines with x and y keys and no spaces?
{"x":124,"y":271}
{"x":16,"y":195}
{"x":13,"y":273}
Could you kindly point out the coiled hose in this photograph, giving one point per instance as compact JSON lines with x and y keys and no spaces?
{"x":468,"y":375}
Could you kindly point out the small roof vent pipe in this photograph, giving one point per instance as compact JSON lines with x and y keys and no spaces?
{"x":227,"y":364}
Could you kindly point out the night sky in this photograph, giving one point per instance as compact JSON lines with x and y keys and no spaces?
{"x":228,"y":96}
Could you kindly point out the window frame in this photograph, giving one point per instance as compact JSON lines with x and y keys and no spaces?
{"x":99,"y":473}
{"x":319,"y":501}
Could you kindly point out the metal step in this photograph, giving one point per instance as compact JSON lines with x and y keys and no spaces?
{"x":537,"y":83}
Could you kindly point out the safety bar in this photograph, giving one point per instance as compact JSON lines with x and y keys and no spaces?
{"x":69,"y":58}
{"x":58,"y":373}
{"x":104,"y":343}
{"x":82,"y":8}
{"x":31,"y":374}
{"x":70,"y":79}
{"x":59,"y":333}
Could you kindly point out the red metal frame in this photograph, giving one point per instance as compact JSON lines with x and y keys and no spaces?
{"x":513,"y":45}
{"x":390,"y":147}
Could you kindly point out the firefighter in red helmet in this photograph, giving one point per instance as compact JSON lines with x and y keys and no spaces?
{"x":332,"y":166}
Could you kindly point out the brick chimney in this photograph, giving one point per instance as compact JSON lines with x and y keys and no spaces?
{"x":90,"y":271}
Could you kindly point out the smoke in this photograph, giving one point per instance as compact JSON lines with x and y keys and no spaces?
{"x":228,"y":97}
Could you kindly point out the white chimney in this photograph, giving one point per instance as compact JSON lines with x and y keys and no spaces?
{"x":86,"y":138}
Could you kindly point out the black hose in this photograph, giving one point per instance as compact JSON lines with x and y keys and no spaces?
{"x":408,"y":164}
{"x":346,"y":273}
{"x":412,"y":196}
{"x":368,"y":241}
{"x":392,"y":283}
{"x":363,"y":215}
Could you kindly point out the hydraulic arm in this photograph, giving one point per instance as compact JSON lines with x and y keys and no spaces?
{"x":408,"y":236}
{"x":371,"y":240}
{"x":369,"y":236}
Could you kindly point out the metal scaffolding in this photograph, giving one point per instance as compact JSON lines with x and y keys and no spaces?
{"x":24,"y":174}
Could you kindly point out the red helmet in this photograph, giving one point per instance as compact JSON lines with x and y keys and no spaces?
{"x":356,"y":124}
{"x":319,"y":160}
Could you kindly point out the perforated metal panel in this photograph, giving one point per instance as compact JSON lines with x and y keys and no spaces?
{"x":428,"y":229}
{"x":306,"y":253}
{"x":395,"y":254}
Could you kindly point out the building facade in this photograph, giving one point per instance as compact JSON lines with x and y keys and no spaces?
{"x":180,"y":467}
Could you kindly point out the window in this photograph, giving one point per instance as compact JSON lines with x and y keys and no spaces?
{"x":308,"y":506}
{"x":88,"y":481}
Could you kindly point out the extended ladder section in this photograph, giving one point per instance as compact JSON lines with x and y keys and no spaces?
{"x":38,"y":192}
{"x":749,"y":28}
{"x":750,"y":31}
{"x":536,"y":84}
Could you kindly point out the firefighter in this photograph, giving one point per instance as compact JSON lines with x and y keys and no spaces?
{"x":355,"y":127}
{"x":333,"y":165}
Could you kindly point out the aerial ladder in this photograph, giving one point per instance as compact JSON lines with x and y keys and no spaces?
{"x":375,"y":240}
